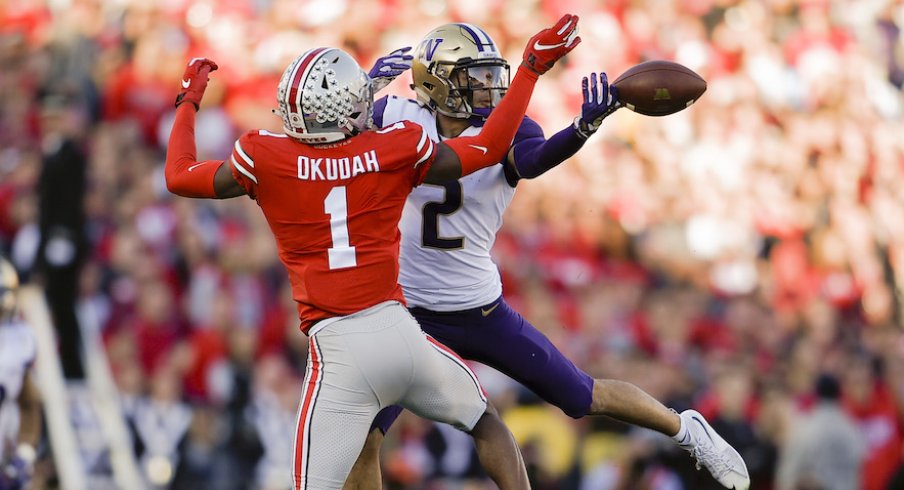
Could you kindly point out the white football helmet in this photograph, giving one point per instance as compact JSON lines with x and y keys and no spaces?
{"x":451,"y":63}
{"x":9,"y":285}
{"x":325,"y":96}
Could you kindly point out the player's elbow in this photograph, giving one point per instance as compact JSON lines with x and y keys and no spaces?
{"x":175,"y":184}
{"x":172,"y":184}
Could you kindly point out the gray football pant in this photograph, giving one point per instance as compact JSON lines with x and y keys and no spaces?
{"x":359,"y":364}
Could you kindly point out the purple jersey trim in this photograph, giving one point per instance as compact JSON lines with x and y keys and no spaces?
{"x":379,"y":109}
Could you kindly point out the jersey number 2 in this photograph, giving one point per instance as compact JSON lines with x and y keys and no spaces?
{"x":430,"y":226}
{"x":341,"y":254}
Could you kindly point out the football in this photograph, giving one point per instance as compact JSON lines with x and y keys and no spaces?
{"x":659,"y":87}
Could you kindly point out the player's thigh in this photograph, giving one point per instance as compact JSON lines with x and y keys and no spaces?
{"x":530,"y":358}
{"x":444,"y":388}
{"x":334,"y":415}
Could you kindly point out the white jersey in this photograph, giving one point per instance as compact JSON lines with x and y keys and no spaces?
{"x":448,"y":231}
{"x":17,"y":353}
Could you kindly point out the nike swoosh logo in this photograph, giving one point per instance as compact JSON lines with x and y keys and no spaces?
{"x":486,"y":312}
{"x":545,"y":47}
{"x":481,"y":148}
{"x":197,"y":165}
{"x":703,"y":426}
{"x":185,"y":83}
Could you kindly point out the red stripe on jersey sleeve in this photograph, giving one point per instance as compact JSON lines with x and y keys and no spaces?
{"x":243,"y":164}
{"x":406,"y":144}
{"x":426,"y":154}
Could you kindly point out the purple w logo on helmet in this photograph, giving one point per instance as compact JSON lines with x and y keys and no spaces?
{"x":430,"y":47}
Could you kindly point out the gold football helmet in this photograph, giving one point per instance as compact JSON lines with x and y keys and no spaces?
{"x":9,"y":284}
{"x":457,"y":68}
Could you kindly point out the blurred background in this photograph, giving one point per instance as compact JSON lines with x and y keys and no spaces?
{"x":727,"y":257}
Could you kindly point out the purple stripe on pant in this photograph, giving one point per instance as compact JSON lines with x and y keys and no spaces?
{"x":504,"y":340}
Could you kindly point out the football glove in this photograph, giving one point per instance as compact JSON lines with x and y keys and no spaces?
{"x":600,"y":100}
{"x":16,"y":473}
{"x":550,"y":45}
{"x":194,"y":81}
{"x":388,"y":67}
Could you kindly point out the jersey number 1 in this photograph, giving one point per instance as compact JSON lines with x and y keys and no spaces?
{"x":341,"y":254}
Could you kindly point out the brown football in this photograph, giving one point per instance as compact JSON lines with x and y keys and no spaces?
{"x":659,"y":87}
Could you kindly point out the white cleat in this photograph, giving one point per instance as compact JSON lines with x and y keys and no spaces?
{"x":712,"y":452}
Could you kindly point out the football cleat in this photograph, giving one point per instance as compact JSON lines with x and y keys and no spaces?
{"x":713,"y":453}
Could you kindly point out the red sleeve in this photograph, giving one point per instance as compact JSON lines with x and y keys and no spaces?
{"x":243,"y":164}
{"x":185,"y":175}
{"x":410,"y":147}
{"x":492,"y":144}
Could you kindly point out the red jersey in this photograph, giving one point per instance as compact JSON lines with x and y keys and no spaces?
{"x":334,"y":210}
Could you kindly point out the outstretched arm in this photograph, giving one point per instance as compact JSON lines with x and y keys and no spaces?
{"x":461,"y":156}
{"x":185,"y":176}
{"x":534,"y":156}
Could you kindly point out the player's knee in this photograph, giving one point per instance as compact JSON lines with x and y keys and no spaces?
{"x":489,"y":418}
{"x":575,"y":411}
{"x":491,"y":410}
{"x":603,"y":392}
{"x":576,"y":404}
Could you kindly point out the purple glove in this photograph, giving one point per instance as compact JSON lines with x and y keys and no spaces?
{"x":600,"y":100}
{"x":16,"y":474}
{"x":387,"y":68}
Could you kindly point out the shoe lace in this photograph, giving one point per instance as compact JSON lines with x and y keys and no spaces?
{"x":715,"y":462}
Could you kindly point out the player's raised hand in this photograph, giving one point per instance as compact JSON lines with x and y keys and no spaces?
{"x":388,"y":67}
{"x":551,"y":44}
{"x":194,"y":81}
{"x":600,"y":100}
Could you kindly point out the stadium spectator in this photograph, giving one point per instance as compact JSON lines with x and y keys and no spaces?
{"x":826,"y":449}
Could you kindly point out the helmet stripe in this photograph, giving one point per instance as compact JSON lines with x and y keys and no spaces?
{"x":484,"y":43}
{"x":299,"y":74}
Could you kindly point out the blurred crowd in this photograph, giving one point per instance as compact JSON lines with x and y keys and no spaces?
{"x":726,"y":257}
